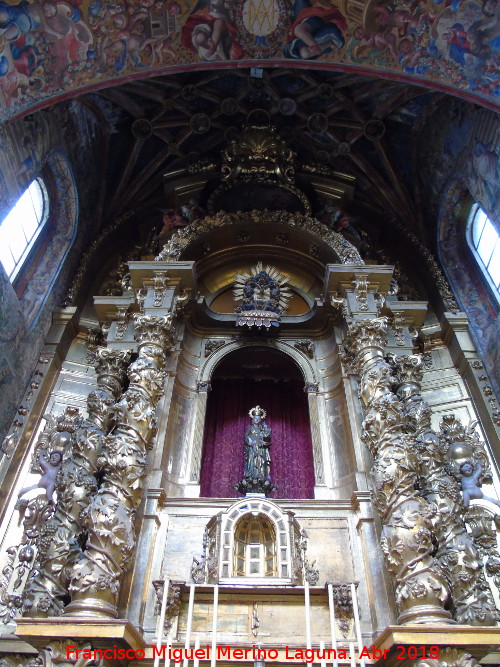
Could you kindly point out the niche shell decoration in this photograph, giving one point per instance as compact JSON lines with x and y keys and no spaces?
{"x":264,"y":295}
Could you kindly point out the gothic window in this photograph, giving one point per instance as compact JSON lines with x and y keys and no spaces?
{"x":485,"y":245}
{"x":254,"y":547}
{"x":21,"y":228}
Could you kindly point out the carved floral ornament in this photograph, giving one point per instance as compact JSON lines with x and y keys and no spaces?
{"x":258,"y":153}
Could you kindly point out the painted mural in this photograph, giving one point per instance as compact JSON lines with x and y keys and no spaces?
{"x":51,"y":48}
{"x":473,"y":296}
{"x":59,"y":142}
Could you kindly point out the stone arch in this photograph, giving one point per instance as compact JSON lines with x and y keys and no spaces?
{"x":180,"y":241}
{"x":221,"y":531}
{"x":297,"y":356}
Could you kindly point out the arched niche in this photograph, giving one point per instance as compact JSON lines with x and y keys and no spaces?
{"x":222,"y":544}
{"x":248,"y":376}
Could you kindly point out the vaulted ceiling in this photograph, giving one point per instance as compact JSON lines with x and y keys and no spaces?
{"x":364,"y":127}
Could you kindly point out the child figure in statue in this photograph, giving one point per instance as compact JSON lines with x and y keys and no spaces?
{"x":470,"y":484}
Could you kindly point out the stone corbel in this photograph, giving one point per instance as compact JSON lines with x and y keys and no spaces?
{"x":344,"y":608}
{"x":174,"y":600}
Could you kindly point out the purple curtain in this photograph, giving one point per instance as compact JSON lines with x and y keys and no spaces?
{"x":227,"y":421}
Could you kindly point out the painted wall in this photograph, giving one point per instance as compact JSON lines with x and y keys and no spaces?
{"x":459,"y":163}
{"x":51,"y":49}
{"x":58,"y":143}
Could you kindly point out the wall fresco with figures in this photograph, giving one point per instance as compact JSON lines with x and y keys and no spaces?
{"x":460,"y":162}
{"x":51,"y":48}
{"x":58,"y":145}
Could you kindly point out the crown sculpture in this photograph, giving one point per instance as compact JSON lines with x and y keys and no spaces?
{"x":264,"y":295}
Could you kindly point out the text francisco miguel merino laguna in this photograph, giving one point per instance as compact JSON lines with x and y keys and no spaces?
{"x":308,"y":655}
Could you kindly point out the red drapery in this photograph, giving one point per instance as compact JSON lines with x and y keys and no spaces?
{"x":227,"y":421}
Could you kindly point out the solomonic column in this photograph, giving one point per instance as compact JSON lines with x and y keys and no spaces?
{"x":472,"y":602}
{"x":96,"y":578}
{"x":407,"y":519}
{"x":59,"y":544}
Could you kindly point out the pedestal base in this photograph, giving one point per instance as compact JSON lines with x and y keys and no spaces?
{"x":425,"y":614}
{"x":99,"y":631}
{"x":478,"y":641}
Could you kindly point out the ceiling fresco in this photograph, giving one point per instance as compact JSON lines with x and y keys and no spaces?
{"x":50,"y":50}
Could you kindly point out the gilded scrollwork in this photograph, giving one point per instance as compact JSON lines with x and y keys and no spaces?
{"x":63,"y":654}
{"x":311,"y":572}
{"x":448,"y":657}
{"x":440,"y":281}
{"x":259,"y":153}
{"x":361,"y":284}
{"x":198,"y":566}
{"x":305,"y":346}
{"x":398,"y":328}
{"x":182,"y":238}
{"x":36,"y":513}
{"x":213,"y":345}
{"x":11,"y":440}
{"x":160,"y":282}
{"x":87,"y":257}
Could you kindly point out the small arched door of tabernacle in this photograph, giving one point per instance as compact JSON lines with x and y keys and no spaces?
{"x":257,"y":376}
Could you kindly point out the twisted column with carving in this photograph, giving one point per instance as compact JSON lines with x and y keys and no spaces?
{"x":460,"y":561}
{"x":406,"y":518}
{"x":60,"y":538}
{"x":95,"y":579}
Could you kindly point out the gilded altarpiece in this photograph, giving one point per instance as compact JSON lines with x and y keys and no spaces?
{"x":397,"y":541}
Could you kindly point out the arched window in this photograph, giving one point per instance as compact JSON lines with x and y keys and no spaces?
{"x":484,"y":242}
{"x":22,"y":226}
{"x":254,"y":547}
